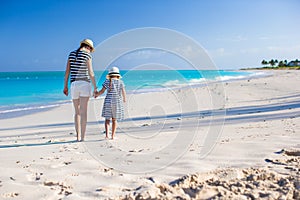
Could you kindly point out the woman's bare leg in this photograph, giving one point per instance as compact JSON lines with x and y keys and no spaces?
{"x":114,"y":127}
{"x":83,"y":115}
{"x":107,"y":122}
{"x":77,"y":117}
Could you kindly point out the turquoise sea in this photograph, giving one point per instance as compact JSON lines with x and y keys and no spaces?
{"x":28,"y":92}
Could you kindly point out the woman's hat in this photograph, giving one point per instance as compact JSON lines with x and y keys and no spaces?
{"x":89,"y":43}
{"x":114,"y":71}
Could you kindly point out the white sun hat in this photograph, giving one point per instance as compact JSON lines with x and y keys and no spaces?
{"x":89,"y":43}
{"x":114,"y":71}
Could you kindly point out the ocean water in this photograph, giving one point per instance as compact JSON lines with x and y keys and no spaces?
{"x":28,"y":92}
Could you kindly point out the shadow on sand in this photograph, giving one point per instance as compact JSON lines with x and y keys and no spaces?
{"x":234,"y":115}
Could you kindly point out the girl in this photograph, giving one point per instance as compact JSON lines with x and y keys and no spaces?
{"x":113,"y":106}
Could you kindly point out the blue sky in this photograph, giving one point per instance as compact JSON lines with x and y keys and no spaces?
{"x":37,"y":35}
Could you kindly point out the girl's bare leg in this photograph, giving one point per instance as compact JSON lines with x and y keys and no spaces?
{"x":77,"y":117}
{"x":83,"y":115}
{"x":107,"y":122}
{"x":114,"y":127}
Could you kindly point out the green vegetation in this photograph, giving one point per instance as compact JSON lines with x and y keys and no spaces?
{"x":282,"y":64}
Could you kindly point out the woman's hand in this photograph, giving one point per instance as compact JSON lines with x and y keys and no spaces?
{"x":66,"y":91}
{"x":96,"y":94}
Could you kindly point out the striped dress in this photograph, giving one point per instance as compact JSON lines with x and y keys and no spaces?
{"x":113,"y":104}
{"x":78,"y":66}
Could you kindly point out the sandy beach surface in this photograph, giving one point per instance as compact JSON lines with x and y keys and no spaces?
{"x":236,"y":140}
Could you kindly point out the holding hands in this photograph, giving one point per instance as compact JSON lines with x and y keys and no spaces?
{"x":96,"y":93}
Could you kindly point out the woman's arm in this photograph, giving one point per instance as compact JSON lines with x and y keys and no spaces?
{"x":91,"y":74}
{"x":67,"y":73}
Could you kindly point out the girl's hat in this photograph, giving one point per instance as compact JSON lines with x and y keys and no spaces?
{"x":114,"y":71}
{"x":89,"y":43}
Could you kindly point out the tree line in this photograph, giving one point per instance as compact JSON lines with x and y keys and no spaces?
{"x":281,"y":64}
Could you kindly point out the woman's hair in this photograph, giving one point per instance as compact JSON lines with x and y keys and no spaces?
{"x":81,"y":46}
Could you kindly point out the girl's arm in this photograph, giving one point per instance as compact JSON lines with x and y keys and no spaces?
{"x":100,"y":92}
{"x":124,"y":94}
{"x":67,"y":73}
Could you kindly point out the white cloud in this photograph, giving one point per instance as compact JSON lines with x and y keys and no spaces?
{"x":250,"y":51}
{"x":220,"y":52}
{"x":265,"y":38}
{"x":144,"y":54}
{"x":237,"y":38}
{"x":275,"y":38}
{"x":284,"y":49}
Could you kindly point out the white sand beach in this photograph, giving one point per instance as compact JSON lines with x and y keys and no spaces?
{"x":172,"y":144}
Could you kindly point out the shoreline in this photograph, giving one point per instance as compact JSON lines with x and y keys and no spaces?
{"x":164,"y":138}
{"x":12,"y":111}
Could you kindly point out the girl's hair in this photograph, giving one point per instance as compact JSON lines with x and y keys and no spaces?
{"x":110,"y":83}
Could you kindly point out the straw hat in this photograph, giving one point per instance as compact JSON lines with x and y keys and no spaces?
{"x":89,"y":43}
{"x":114,"y":71}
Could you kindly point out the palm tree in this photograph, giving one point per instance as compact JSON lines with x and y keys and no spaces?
{"x":264,"y":62}
{"x":272,"y":62}
{"x":281,"y":64}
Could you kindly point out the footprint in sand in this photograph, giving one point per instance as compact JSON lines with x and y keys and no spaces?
{"x":151,"y":179}
{"x":135,"y":150}
{"x":10,"y":195}
{"x":62,"y":187}
{"x":275,"y":162}
{"x":35,"y":176}
{"x":38,"y":176}
{"x":66,"y":163}
{"x":75,"y":174}
{"x":102,"y":189}
{"x":289,"y":152}
{"x":292,"y":153}
{"x":108,"y":169}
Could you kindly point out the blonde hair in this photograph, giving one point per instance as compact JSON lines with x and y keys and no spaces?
{"x":110,"y":83}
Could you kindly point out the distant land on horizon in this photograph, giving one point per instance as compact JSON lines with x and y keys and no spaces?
{"x":277,"y":65}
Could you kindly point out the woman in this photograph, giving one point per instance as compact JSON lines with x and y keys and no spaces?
{"x":79,"y":68}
